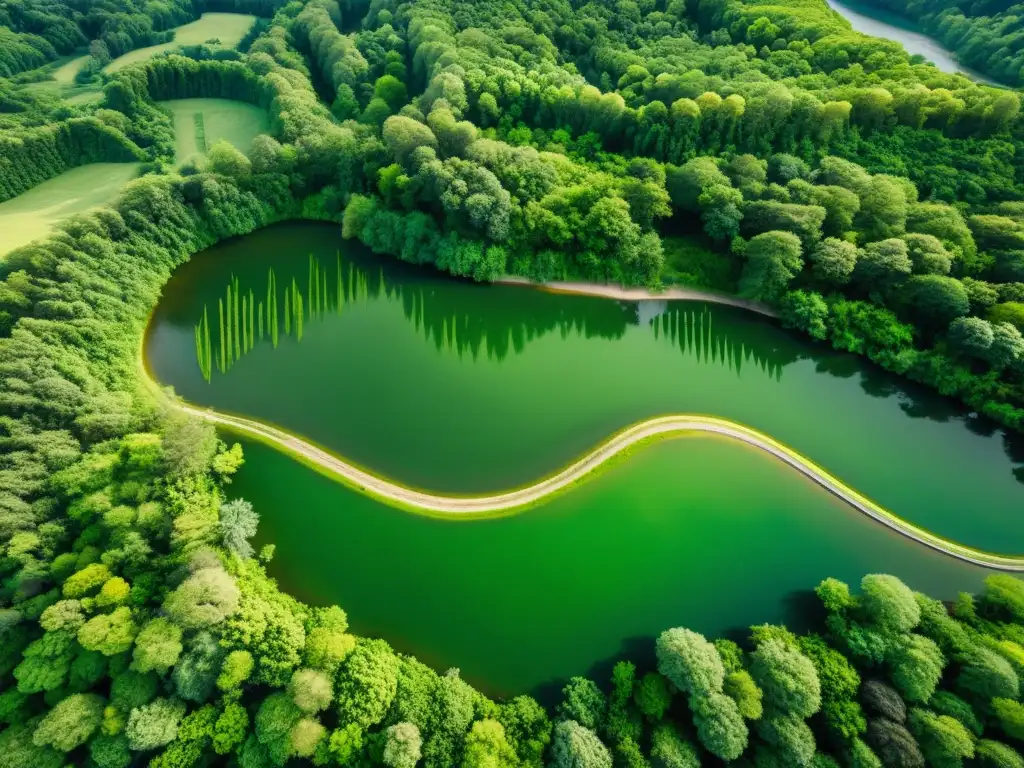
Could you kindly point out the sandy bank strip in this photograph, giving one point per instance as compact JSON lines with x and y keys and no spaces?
{"x":610,"y":291}
{"x":522,"y":497}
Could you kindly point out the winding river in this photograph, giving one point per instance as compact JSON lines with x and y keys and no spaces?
{"x":460,"y":389}
{"x":879,"y":22}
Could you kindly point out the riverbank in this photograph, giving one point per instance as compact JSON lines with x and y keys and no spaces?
{"x":610,"y":291}
{"x":438,"y":505}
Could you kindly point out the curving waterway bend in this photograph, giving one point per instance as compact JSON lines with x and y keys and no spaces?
{"x":647,"y":430}
{"x":463,"y":392}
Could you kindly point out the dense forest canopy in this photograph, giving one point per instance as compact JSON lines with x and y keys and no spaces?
{"x":877,"y":202}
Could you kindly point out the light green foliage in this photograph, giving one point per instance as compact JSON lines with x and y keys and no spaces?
{"x":583,"y":702}
{"x":834,"y":595}
{"x":227,"y":462}
{"x":154,"y":725}
{"x":790,"y":736}
{"x":109,"y":633}
{"x":196,"y":672}
{"x":1010,"y":716}
{"x":238,"y":523}
{"x":86,"y":581}
{"x":992,"y":754}
{"x":720,"y":725}
{"x":916,"y":665}
{"x":861,"y":756}
{"x":276,"y":718}
{"x":366,"y":684}
{"x":574,"y":746}
{"x":230,"y":728}
{"x":311,"y":690}
{"x":946,"y":703}
{"x":623,"y":721}
{"x":306,"y":736}
{"x":805,"y":311}
{"x":157,"y":646}
{"x":487,"y":747}
{"x":19,"y":751}
{"x":652,"y":696}
{"x":70,"y":723}
{"x":928,"y":255}
{"x":985,"y":675}
{"x":944,"y":741}
{"x":113,"y":592}
{"x":772,"y":260}
{"x":345,"y":744}
{"x":267,"y":621}
{"x":226,"y":160}
{"x":740,"y":687}
{"x":62,"y":615}
{"x":669,"y":750}
{"x":733,"y":658}
{"x":689,"y":661}
{"x":1003,"y":598}
{"x":527,"y":728}
{"x":833,"y":261}
{"x":883,"y":264}
{"x":235,"y":670}
{"x":787,"y":678}
{"x":402,"y":744}
{"x":888,"y":603}
{"x":453,"y":711}
{"x":205,"y":598}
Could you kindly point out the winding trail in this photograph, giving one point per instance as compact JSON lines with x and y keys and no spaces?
{"x":611,"y":291}
{"x":421,"y":501}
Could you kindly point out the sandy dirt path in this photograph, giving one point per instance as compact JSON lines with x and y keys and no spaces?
{"x":421,"y":501}
{"x":609,"y":291}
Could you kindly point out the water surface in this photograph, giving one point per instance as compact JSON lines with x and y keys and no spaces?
{"x":699,"y":532}
{"x":458,"y":387}
{"x":880,"y":22}
{"x":455,"y":387}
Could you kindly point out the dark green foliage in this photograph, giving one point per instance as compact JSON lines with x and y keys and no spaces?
{"x":583,"y":702}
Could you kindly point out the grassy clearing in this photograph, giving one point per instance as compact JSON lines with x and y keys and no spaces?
{"x":227,"y":28}
{"x":201,"y":123}
{"x":63,"y":83}
{"x":65,"y":73}
{"x":690,"y":261}
{"x":33,"y":214}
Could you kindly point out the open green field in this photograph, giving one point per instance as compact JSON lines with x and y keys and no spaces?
{"x":63,"y":84}
{"x":31,"y":215}
{"x":227,"y":28}
{"x":201,"y":123}
{"x":65,"y":73}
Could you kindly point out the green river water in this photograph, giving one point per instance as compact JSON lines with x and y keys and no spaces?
{"x":880,"y":22}
{"x":462,"y":388}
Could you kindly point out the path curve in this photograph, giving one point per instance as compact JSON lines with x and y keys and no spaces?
{"x":611,"y":291}
{"x":652,"y":428}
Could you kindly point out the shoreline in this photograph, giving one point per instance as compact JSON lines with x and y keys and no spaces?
{"x":611,"y":291}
